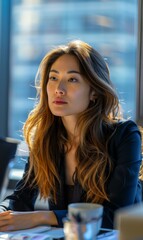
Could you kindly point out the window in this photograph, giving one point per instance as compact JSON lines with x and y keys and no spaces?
{"x":110,"y":26}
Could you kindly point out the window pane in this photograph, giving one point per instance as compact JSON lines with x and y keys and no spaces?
{"x":38,"y":25}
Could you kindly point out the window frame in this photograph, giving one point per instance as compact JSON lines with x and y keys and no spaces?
{"x":139,"y":88}
{"x":5,"y":12}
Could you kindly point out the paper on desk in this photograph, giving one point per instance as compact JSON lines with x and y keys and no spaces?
{"x":39,"y":229}
{"x":29,"y":236}
{"x":37,"y":233}
{"x":111,"y":235}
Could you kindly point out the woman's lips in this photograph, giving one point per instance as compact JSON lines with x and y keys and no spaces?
{"x":59,"y":102}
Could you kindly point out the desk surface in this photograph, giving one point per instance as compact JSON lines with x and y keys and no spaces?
{"x":49,"y":233}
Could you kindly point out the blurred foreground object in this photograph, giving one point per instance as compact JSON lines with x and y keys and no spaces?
{"x":129,"y":221}
{"x":83,"y":222}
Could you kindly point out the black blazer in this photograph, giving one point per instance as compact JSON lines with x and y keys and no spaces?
{"x":123,"y":187}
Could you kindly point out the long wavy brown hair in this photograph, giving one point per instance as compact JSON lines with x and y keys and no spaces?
{"x":47,"y":137}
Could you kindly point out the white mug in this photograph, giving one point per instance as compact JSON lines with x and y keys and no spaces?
{"x":86,"y":211}
{"x":89,"y":214}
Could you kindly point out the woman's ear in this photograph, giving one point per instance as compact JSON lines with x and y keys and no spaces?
{"x":93,"y":96}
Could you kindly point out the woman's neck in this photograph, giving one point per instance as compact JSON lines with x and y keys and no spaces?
{"x":72,"y":131}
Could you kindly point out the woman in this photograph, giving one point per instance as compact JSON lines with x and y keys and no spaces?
{"x":80,"y":149}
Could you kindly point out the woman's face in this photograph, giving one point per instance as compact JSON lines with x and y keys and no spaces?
{"x":68,"y":92}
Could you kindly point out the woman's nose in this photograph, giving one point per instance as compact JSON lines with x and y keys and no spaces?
{"x":60,"y":89}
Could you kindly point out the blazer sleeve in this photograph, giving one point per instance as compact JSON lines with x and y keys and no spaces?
{"x":60,"y":215}
{"x":23,"y":197}
{"x":124,"y":188}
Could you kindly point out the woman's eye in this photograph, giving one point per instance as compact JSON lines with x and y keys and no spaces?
{"x":52,"y":78}
{"x":73,"y":80}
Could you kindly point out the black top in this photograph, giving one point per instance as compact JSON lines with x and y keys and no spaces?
{"x":69,"y":196}
{"x":123,"y":187}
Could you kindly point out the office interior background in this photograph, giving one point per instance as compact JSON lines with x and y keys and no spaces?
{"x":30,"y":28}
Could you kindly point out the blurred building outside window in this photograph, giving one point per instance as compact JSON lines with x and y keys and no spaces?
{"x":36,"y":26}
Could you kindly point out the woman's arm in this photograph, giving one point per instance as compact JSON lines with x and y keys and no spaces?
{"x":22,"y":220}
{"x":124,"y":188}
{"x":22,"y":201}
{"x":23,"y":197}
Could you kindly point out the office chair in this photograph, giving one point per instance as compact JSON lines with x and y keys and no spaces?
{"x":8,"y":147}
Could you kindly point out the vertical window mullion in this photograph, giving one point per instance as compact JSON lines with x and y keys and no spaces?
{"x":4,"y":65}
{"x":139,"y":89}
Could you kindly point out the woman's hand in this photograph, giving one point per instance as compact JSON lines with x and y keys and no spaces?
{"x":11,"y":221}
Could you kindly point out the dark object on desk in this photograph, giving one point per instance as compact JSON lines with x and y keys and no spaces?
{"x":8,"y":147}
{"x":58,"y":238}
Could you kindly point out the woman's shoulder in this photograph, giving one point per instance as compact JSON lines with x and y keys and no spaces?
{"x":125,"y":128}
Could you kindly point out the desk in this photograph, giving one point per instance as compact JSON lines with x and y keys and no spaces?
{"x":48,"y":233}
{"x":37,"y":233}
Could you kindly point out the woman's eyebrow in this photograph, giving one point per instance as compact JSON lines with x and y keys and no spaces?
{"x":53,"y":70}
{"x":71,"y":71}
{"x":74,"y":71}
